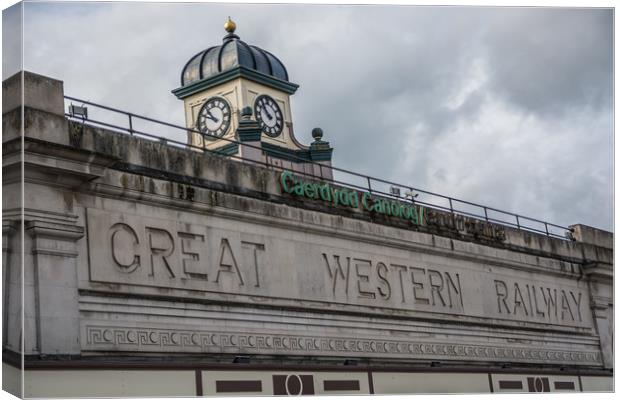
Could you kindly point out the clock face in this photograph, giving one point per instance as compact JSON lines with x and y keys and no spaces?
{"x":268,"y":115}
{"x":214,"y":118}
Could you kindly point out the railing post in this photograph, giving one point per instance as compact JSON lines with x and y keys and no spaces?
{"x":271,"y":164}
{"x":130,"y":124}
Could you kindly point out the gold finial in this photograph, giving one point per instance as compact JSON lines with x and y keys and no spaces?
{"x":230,"y":26}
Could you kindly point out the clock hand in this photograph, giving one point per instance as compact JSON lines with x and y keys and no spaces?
{"x":211,"y":117}
{"x":268,"y":114}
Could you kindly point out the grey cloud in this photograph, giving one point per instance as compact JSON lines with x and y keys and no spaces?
{"x":510,"y":107}
{"x":11,"y":40}
{"x":552,"y":60}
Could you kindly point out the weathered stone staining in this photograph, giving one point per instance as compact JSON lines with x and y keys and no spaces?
{"x":540,"y":302}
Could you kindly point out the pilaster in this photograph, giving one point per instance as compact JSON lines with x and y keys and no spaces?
{"x":54,"y":253}
{"x":11,"y":285}
{"x":600,"y":282}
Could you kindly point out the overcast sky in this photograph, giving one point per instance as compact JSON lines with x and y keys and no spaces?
{"x":509,"y":107}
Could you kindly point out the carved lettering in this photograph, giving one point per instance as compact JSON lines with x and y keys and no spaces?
{"x":454,"y":287}
{"x":124,"y":244}
{"x":382,"y":272}
{"x":189,"y":257}
{"x":162,"y":246}
{"x":418,"y":285}
{"x":401,"y":269}
{"x":437,"y":286}
{"x":528,"y":301}
{"x":181,"y":254}
{"x":550,"y":302}
{"x":337,"y":270}
{"x":539,"y":313}
{"x":518,"y":301}
{"x":228,"y":263}
{"x":502,"y":292}
{"x":577,"y":304}
{"x":362,"y":270}
{"x":193,"y":266}
{"x":566,"y":306}
{"x":255,"y":247}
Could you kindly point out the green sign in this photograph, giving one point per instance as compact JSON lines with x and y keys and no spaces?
{"x":341,"y":196}
{"x":417,"y":214}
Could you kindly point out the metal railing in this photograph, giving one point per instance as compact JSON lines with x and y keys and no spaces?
{"x":368,"y":183}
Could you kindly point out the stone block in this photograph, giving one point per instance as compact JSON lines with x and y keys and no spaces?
{"x":39,"y":92}
{"x":598,"y":237}
{"x":402,"y":382}
{"x":109,"y":383}
{"x":59,"y":334}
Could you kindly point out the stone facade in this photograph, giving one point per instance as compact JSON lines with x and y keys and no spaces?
{"x":133,"y":249}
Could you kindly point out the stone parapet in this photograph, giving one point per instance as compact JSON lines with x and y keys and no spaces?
{"x":156,"y":160}
{"x":588,"y":234}
{"x":39,"y":92}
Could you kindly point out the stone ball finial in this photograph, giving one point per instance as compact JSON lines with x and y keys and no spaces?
{"x":230,"y":26}
{"x":317,"y":134}
{"x":246,"y":112}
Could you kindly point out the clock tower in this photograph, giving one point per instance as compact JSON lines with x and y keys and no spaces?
{"x":236,"y":94}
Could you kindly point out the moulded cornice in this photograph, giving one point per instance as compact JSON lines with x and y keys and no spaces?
{"x":41,"y":229}
{"x":599,"y":272}
{"x":238,"y":72}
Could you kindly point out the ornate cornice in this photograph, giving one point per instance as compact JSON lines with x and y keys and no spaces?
{"x":238,"y":72}
{"x":55,"y":164}
{"x":58,"y":231}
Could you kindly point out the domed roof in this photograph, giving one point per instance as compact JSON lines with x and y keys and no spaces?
{"x":232,"y":53}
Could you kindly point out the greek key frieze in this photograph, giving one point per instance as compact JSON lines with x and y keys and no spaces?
{"x":146,"y":339}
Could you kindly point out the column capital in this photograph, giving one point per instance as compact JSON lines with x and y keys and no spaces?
{"x":600,"y":272}
{"x":54,"y":238}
